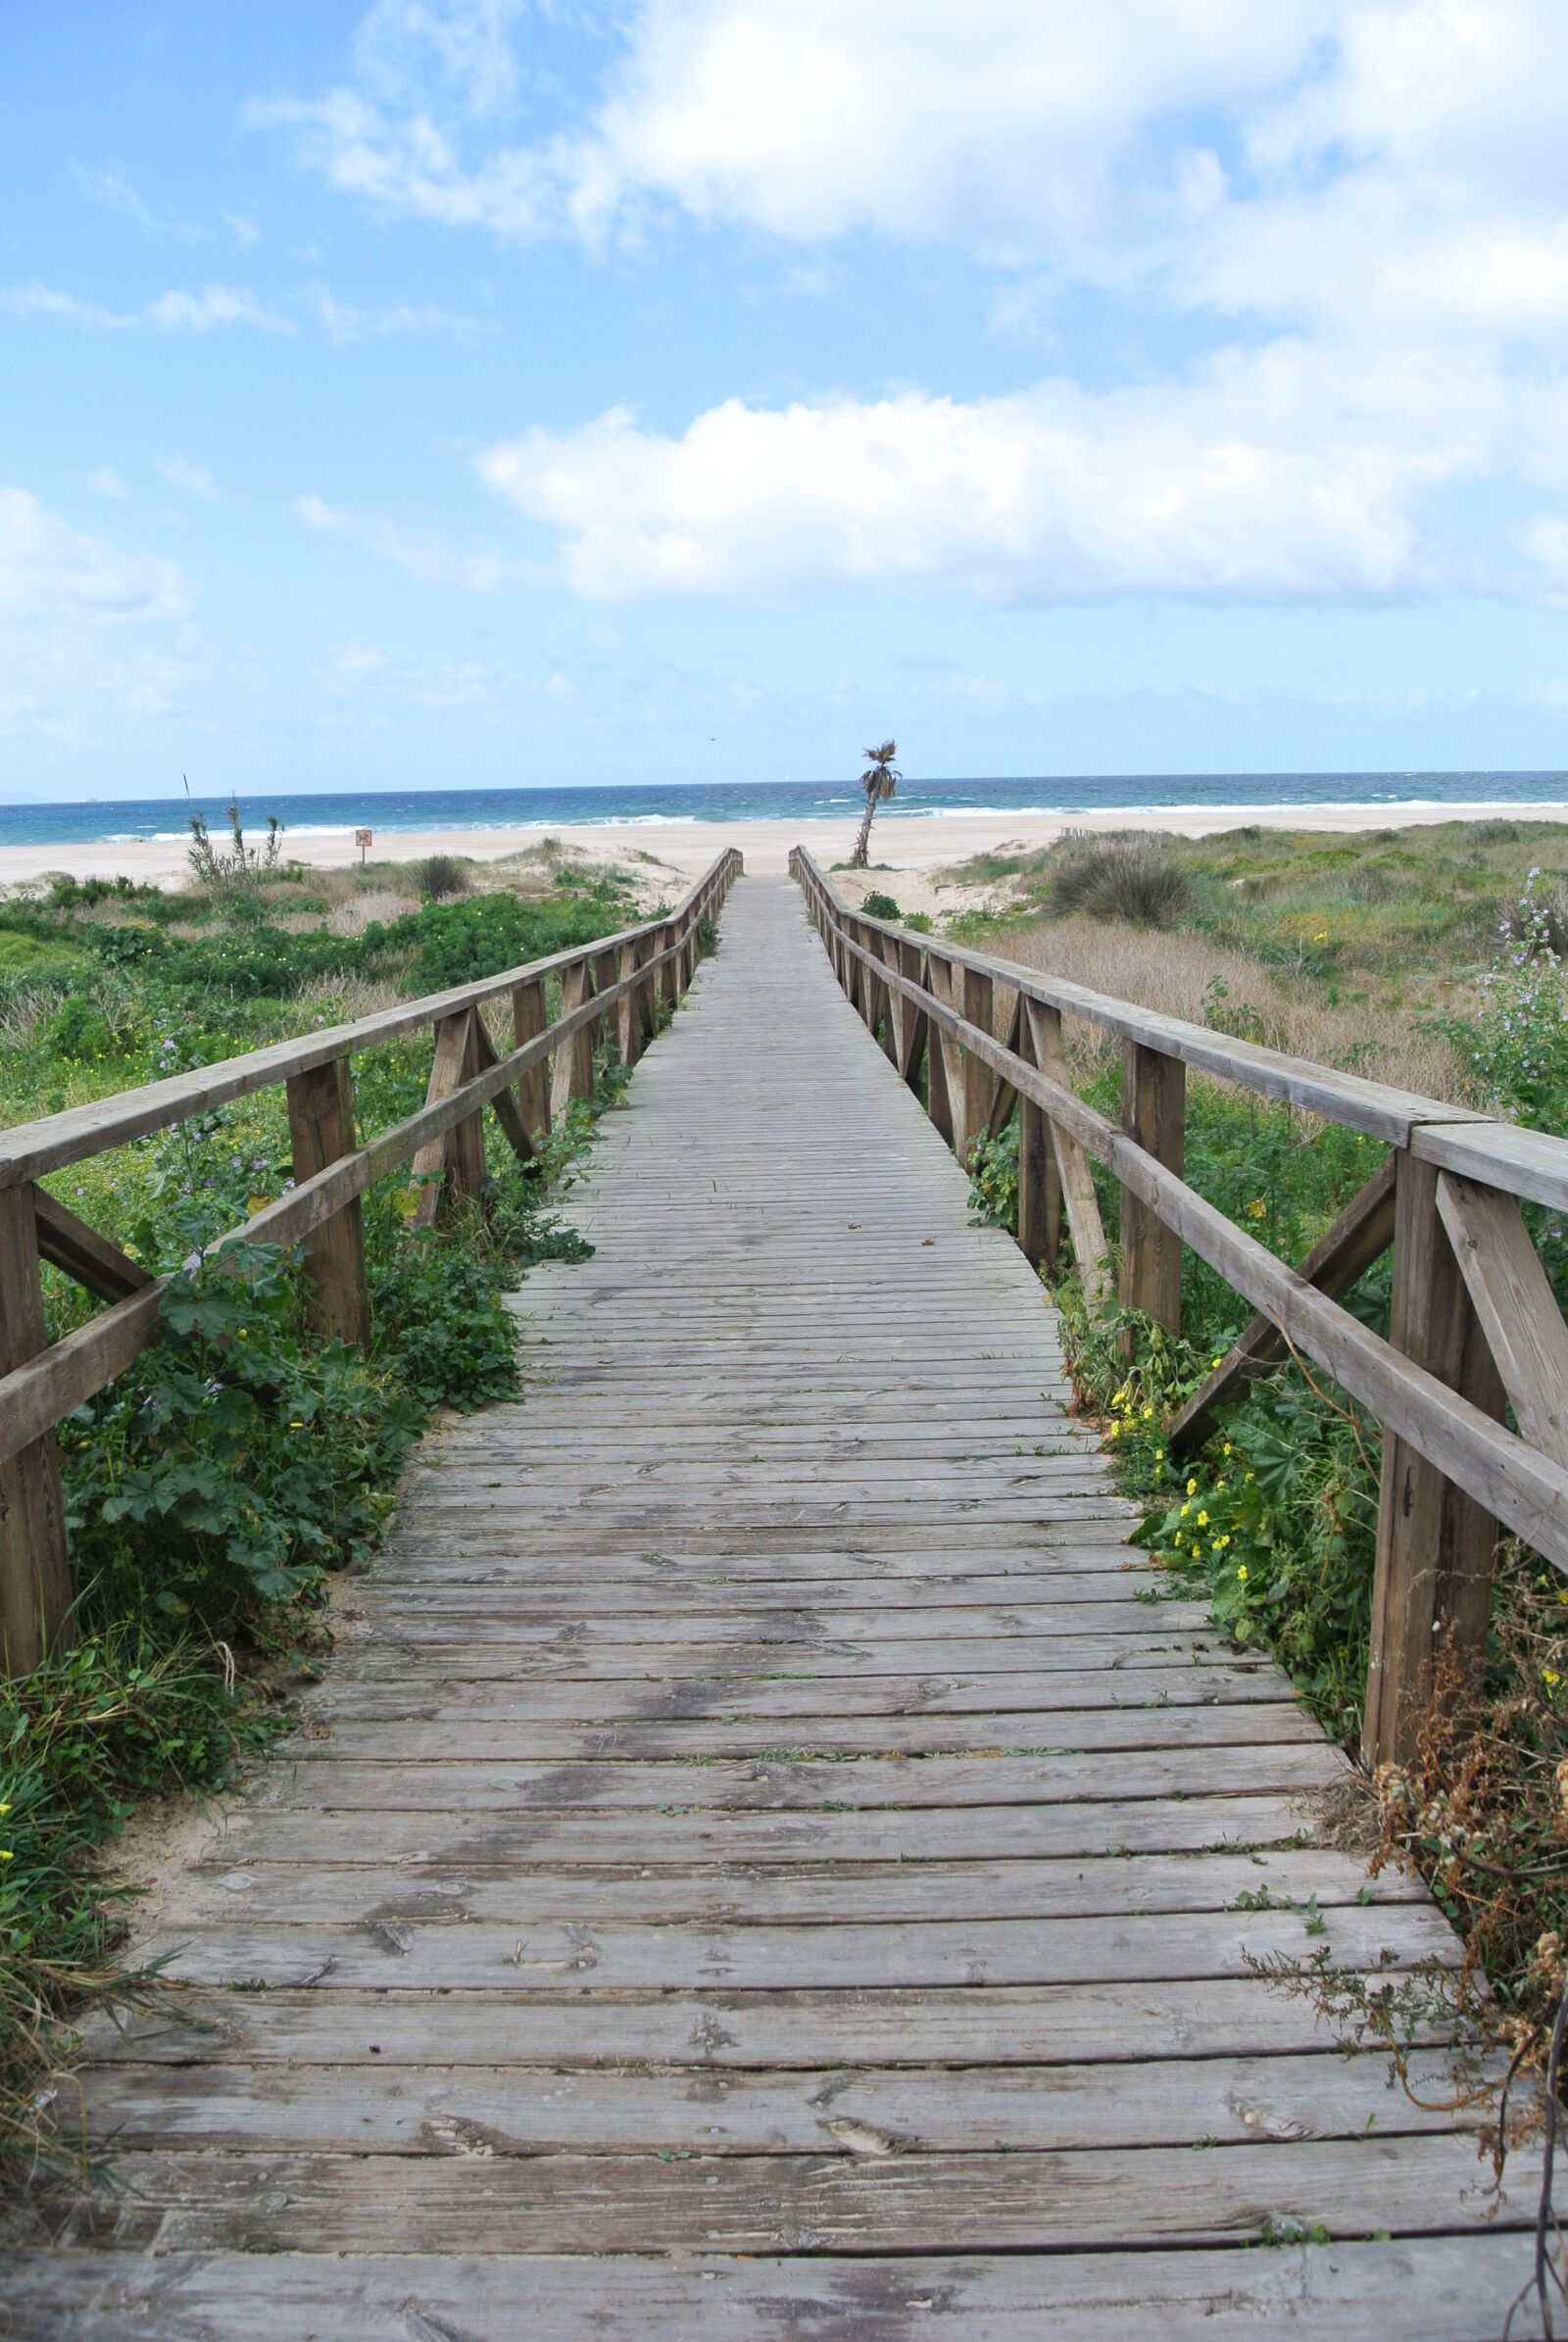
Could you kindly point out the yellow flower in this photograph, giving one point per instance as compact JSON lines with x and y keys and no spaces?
{"x":1148,"y":1412}
{"x":6,"y":1854}
{"x":4,"y":1810}
{"x":1182,"y":1515}
{"x":1216,"y":1361}
{"x":1226,"y":1450}
{"x":1202,"y":1520}
{"x":1159,"y":1455}
{"x":1257,"y":1209}
{"x":1549,"y":1676}
{"x":1220,"y":1544}
{"x":1322,"y":935}
{"x":1192,"y":1488}
{"x":1241,"y":1571}
{"x":244,"y":1333}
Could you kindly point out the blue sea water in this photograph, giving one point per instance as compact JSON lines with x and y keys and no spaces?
{"x":659,"y":806}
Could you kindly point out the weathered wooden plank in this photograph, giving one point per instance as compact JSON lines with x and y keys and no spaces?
{"x":766,"y":1958}
{"x":1103,"y":2021}
{"x":1024,"y":1887}
{"x":691,"y":1834}
{"x":1437,"y":1545}
{"x":917,"y":2203}
{"x":320,"y":1123}
{"x":1438,"y":2289}
{"x":788,"y":1784}
{"x":68,"y":1243}
{"x":34,"y":1569}
{"x":1512,"y":1297}
{"x":509,"y":2110}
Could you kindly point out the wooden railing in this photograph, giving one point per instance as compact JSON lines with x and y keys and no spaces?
{"x":617,"y":978}
{"x":1475,"y":1330}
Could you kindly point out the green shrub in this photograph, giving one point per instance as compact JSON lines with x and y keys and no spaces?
{"x":458,"y":942}
{"x":880,"y":907}
{"x":442,"y":876}
{"x":1115,"y":878}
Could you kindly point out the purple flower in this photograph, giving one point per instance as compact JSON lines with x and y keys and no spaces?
{"x":191,"y":1263}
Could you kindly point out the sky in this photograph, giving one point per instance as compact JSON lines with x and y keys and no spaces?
{"x":496,"y":392}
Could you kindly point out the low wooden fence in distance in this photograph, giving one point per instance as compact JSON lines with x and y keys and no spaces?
{"x":1475,"y":1331}
{"x":612,"y":983}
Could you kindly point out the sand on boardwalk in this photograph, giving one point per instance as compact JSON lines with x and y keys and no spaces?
{"x":914,"y":843}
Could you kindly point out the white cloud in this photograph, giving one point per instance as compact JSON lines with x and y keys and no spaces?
{"x":1261,"y":476}
{"x":345,"y":323}
{"x":113,"y":192}
{"x":105,"y":480}
{"x":422,"y":554}
{"x":464,"y":44}
{"x":50,"y":571}
{"x":191,"y":479}
{"x":218,"y":305}
{"x":1395,"y":164}
{"x":246,"y":230}
{"x":171,"y":313}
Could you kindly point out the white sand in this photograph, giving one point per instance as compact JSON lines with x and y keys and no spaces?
{"x":909,"y":843}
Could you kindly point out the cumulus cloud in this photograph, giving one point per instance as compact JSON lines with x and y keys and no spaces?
{"x":1257,"y":478}
{"x":52,"y":572}
{"x":422,"y":554}
{"x":1383,"y":161}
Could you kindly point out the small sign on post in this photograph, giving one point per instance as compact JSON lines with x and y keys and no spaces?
{"x":364,"y":839}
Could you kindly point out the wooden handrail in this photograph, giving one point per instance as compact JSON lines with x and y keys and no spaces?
{"x":1474,"y":1326}
{"x":41,"y":1383}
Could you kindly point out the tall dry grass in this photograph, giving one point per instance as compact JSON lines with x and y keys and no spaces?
{"x":1178,"y":975}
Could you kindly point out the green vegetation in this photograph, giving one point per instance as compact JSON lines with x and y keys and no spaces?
{"x":880,"y":907}
{"x":1414,"y":907}
{"x":1274,"y":1523}
{"x":1120,"y":878}
{"x":212,"y":1490}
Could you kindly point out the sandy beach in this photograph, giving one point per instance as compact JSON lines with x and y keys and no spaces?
{"x":919,"y":842}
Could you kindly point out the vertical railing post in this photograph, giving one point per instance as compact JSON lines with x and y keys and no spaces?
{"x":974,"y":1000}
{"x":628,"y":1008}
{"x":320,"y":1130}
{"x":574,"y":1055}
{"x":1153,"y":1109}
{"x":35,"y":1566}
{"x":915,"y":1043}
{"x":943,"y":1094}
{"x":604,"y":1027}
{"x":1437,"y":1546}
{"x":466,"y":1139}
{"x":533,"y":1088}
{"x":1038,"y":1180}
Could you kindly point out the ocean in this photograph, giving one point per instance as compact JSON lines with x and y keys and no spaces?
{"x":659,"y":805}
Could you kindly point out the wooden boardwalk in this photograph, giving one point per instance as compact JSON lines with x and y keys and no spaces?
{"x":766,"y":1865}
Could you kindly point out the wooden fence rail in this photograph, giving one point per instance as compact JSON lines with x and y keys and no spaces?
{"x":608,"y":985}
{"x":1475,"y":1331}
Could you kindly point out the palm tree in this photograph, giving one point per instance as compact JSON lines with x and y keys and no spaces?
{"x":879,"y":780}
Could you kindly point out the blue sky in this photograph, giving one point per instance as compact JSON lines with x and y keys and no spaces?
{"x":509,"y":391}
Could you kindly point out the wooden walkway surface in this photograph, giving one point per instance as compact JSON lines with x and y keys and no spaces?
{"x":765,"y":1865}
